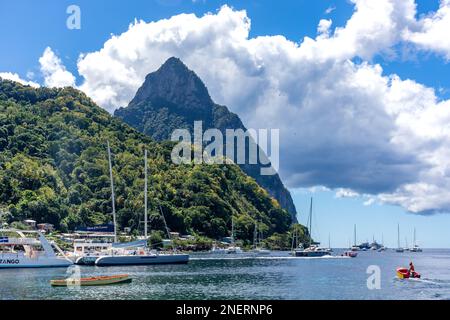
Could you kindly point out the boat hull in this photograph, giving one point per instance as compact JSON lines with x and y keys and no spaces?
{"x":86,"y":260}
{"x":311,"y":254}
{"x":10,"y":262}
{"x":142,"y":260}
{"x":403,"y":273}
{"x":94,"y":281}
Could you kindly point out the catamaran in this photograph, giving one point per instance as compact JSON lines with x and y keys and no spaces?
{"x":313,"y":249}
{"x":134,"y":253}
{"x":29,"y":249}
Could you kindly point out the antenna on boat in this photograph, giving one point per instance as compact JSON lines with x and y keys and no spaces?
{"x":112,"y":193}
{"x":145,"y":195}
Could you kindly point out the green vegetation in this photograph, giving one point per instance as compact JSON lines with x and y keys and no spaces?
{"x":54,"y":169}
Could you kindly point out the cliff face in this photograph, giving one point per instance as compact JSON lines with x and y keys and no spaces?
{"x":174,"y":97}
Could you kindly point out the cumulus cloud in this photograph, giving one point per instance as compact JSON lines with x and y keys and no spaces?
{"x":431,"y":34}
{"x":344,"y":125}
{"x":54,"y":72}
{"x":15,"y":77}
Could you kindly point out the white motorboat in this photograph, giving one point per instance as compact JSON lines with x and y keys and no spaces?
{"x":29,"y":249}
{"x":217,"y":250}
{"x":233,"y":250}
{"x":312,"y":251}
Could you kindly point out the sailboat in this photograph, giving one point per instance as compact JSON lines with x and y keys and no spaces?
{"x":313,"y":249}
{"x":233,"y":249}
{"x":399,"y":249}
{"x":354,"y":247}
{"x":415,"y":247}
{"x":382,"y":248}
{"x":406,"y":244}
{"x":257,"y":236}
{"x":329,"y":249}
{"x":135,"y":253}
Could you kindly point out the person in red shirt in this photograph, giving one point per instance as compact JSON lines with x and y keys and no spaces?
{"x":412,"y":271}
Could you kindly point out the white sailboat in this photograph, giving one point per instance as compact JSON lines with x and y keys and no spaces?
{"x":29,"y":249}
{"x":313,"y":250}
{"x":354,"y":247}
{"x":233,"y":249}
{"x":415,"y":247}
{"x":382,"y":248}
{"x":399,"y":248}
{"x":257,"y":248}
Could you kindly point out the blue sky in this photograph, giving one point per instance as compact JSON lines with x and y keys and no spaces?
{"x":28,"y":27}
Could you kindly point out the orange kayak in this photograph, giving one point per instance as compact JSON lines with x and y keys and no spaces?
{"x":92,"y":281}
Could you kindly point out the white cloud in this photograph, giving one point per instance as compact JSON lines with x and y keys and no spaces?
{"x":346,"y":193}
{"x":432,"y":31}
{"x":55,"y":73}
{"x":15,"y":77}
{"x":344,"y":125}
{"x":330,"y":10}
{"x":324,"y":27}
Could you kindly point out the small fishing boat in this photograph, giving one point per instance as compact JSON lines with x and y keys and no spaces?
{"x":403,"y":273}
{"x":92,"y":281}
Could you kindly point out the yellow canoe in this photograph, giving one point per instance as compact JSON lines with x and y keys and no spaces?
{"x":92,"y":281}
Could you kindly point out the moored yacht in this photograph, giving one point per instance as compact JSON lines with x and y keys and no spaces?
{"x":29,"y":249}
{"x":257,"y":248}
{"x":137,"y":253}
{"x":399,"y":248}
{"x":313,"y":250}
{"x":415,"y":247}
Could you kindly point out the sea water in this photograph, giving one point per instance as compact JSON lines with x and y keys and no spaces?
{"x":278,"y":276}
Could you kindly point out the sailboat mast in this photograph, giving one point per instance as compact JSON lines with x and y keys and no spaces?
{"x":354,"y":235}
{"x":414,"y":244}
{"x":255,"y":236}
{"x":145,"y":197}
{"x":310,"y":222}
{"x":232,"y":230}
{"x":112,"y":193}
{"x":398,"y":235}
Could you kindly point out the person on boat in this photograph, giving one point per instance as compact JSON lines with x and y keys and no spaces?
{"x":411,"y":270}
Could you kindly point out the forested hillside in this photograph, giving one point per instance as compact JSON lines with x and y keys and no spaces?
{"x":53,"y":168}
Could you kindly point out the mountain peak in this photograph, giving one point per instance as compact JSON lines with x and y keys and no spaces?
{"x":174,"y":84}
